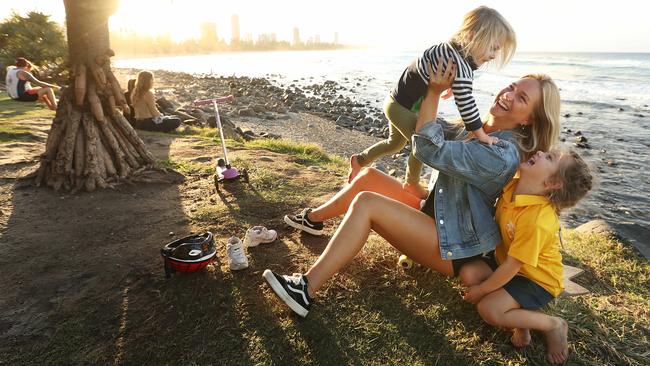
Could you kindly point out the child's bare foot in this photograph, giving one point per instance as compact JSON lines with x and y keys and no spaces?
{"x":416,"y":189}
{"x":520,"y":337}
{"x":557,"y":345}
{"x":355,"y":168}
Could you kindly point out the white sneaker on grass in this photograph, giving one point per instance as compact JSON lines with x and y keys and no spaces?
{"x":236,"y":255}
{"x":259,"y":234}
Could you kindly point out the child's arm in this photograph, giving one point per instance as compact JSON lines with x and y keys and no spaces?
{"x":504,"y":273}
{"x":484,"y":137}
{"x":438,"y":82}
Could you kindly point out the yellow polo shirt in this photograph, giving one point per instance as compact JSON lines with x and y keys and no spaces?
{"x":529,"y":230}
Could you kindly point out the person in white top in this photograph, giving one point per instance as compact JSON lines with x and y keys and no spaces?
{"x":19,"y":85}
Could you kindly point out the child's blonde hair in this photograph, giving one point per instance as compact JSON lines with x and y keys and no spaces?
{"x":143,"y":84}
{"x":576,"y":179}
{"x":482,"y":28}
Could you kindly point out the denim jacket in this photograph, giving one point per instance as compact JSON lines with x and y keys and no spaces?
{"x":471,"y":177}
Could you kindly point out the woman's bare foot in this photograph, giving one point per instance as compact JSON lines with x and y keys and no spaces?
{"x":520,"y":337}
{"x":557,"y":344}
{"x":416,"y":190}
{"x":355,"y":168}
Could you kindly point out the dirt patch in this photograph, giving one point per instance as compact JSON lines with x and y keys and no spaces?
{"x":89,"y":253}
{"x":25,"y":147}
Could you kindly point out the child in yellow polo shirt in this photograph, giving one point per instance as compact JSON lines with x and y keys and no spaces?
{"x":524,"y":272}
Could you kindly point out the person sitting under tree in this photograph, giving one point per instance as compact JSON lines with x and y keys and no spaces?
{"x":19,"y":84}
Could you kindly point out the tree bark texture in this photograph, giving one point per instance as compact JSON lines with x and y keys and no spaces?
{"x":91,"y":144}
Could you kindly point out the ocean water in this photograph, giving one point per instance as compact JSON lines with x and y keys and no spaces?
{"x":606,"y":96}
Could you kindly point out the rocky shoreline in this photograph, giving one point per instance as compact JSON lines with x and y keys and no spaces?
{"x":326,"y":114}
{"x":263,"y":109}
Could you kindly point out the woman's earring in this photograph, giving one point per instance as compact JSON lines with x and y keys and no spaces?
{"x":523,"y":127}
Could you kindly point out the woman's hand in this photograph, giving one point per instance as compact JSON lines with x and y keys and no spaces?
{"x":441,"y":80}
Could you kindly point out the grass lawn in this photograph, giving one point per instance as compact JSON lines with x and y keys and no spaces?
{"x":372,"y":313}
{"x":12,"y":111}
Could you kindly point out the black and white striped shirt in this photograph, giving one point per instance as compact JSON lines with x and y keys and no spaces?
{"x":412,"y":85}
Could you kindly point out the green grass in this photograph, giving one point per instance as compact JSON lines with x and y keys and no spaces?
{"x":305,"y":153}
{"x":11,"y":110}
{"x":185,"y":167}
{"x":10,"y":132}
{"x":372,"y":313}
{"x":308,"y":154}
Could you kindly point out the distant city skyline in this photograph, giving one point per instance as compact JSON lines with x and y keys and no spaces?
{"x":553,"y":25}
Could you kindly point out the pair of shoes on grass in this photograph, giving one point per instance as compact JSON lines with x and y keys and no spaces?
{"x":256,"y":235}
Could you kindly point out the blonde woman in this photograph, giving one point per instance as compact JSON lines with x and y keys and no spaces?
{"x":483,"y":37}
{"x":147,"y":115}
{"x":19,"y":80}
{"x":457,"y":219}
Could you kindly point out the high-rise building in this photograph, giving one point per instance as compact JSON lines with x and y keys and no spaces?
{"x":336,"y":37}
{"x":235,"y":28}
{"x":209,"y":39}
{"x":317,"y":39}
{"x":296,"y":36}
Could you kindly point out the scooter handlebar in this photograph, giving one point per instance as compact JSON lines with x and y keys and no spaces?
{"x":201,"y":102}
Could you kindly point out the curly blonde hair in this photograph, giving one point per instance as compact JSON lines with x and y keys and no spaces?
{"x":482,"y":28}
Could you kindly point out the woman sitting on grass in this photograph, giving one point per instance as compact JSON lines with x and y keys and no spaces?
{"x":19,"y":80}
{"x":467,"y":174}
{"x":147,"y":116}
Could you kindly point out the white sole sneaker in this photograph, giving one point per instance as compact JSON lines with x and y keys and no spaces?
{"x":282,"y":293}
{"x":248,"y":242}
{"x":304,"y":228}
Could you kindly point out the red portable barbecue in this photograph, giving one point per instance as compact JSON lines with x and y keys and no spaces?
{"x":188,"y":254}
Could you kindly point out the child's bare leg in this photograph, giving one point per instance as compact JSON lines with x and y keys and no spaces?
{"x":475,"y":272}
{"x":520,"y":337}
{"x":355,"y":167}
{"x":371,"y":180}
{"x":500,"y":309}
{"x":408,"y":230}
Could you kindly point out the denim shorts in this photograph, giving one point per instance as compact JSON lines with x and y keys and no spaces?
{"x":526,"y":292}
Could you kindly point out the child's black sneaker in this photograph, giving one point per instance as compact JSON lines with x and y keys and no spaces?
{"x":291,"y":289}
{"x":302,"y":222}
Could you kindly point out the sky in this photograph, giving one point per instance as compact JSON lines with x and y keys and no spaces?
{"x":544,"y":26}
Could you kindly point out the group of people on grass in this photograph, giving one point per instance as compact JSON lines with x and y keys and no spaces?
{"x":143,"y":113}
{"x":506,"y":254}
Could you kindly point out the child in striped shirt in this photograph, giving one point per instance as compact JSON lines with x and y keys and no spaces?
{"x":484,"y":36}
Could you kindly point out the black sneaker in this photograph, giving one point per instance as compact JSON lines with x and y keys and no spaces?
{"x":291,"y":289}
{"x":300,"y":221}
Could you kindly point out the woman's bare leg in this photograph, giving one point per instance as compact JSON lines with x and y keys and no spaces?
{"x":407,"y":229}
{"x":47,"y":94}
{"x":370,"y":180}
